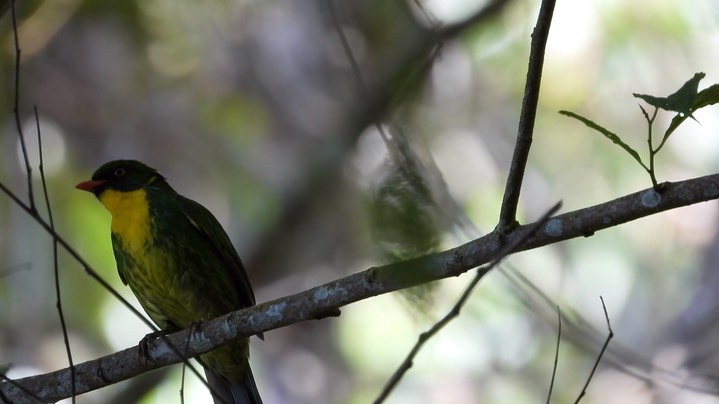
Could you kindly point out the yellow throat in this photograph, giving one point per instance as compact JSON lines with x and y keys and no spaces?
{"x":130,"y":217}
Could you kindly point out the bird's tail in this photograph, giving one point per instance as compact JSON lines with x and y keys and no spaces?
{"x":225,"y":392}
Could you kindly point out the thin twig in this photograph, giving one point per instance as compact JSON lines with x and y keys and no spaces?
{"x":510,"y":201}
{"x":650,"y":141}
{"x":16,"y":109}
{"x":182,"y":377}
{"x":56,"y":271}
{"x":454,"y":312}
{"x":601,"y":353}
{"x":556,"y":354}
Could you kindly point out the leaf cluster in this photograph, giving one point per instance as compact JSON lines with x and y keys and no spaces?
{"x":684,"y":102}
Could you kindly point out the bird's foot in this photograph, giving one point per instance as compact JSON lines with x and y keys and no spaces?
{"x":146,"y":342}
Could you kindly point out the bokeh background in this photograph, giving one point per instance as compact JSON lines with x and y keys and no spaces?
{"x":253,"y":109}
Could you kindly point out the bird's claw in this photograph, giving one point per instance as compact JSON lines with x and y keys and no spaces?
{"x":146,"y":342}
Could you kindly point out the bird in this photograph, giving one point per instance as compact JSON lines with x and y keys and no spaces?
{"x":180,"y":264}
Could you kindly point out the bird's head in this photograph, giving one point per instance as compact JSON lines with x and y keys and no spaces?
{"x":120,"y":175}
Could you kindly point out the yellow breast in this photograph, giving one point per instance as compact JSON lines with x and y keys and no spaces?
{"x":130,"y":217}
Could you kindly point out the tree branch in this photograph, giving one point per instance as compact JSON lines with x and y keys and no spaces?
{"x":454,"y":312}
{"x":326,"y":299}
{"x":510,"y":201}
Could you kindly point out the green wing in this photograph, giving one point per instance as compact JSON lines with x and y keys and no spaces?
{"x":208,"y":227}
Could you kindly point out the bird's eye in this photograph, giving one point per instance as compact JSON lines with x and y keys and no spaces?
{"x":119,"y":172}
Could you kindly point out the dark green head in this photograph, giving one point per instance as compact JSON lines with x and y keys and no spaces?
{"x":120,"y":175}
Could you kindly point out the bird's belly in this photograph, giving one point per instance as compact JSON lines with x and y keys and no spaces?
{"x":178,"y":278}
{"x":160,"y":286}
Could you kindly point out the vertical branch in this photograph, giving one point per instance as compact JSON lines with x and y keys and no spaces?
{"x":16,"y":109}
{"x":508,"y":213}
{"x":58,"y":296}
{"x":650,"y":141}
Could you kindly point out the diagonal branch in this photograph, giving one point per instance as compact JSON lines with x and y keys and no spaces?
{"x":454,"y":312}
{"x":326,"y":299}
{"x":610,"y":335}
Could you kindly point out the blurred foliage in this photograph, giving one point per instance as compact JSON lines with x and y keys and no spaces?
{"x":402,"y":222}
{"x":253,"y":109}
{"x":401,"y":218}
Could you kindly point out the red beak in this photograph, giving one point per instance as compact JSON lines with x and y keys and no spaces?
{"x":89,"y":185}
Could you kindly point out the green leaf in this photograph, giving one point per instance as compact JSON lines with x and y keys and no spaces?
{"x":606,"y":132}
{"x":706,"y":97}
{"x":681,"y":101}
{"x":676,"y":121}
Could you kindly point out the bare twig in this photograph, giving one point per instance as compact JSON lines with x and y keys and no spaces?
{"x":601,"y":353}
{"x":556,"y":354}
{"x":182,"y":378}
{"x":16,"y":110}
{"x":56,"y":271}
{"x":650,"y":140}
{"x":454,"y":312}
{"x":510,"y":202}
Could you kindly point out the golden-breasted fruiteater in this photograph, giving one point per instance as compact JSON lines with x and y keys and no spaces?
{"x":179,"y":263}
